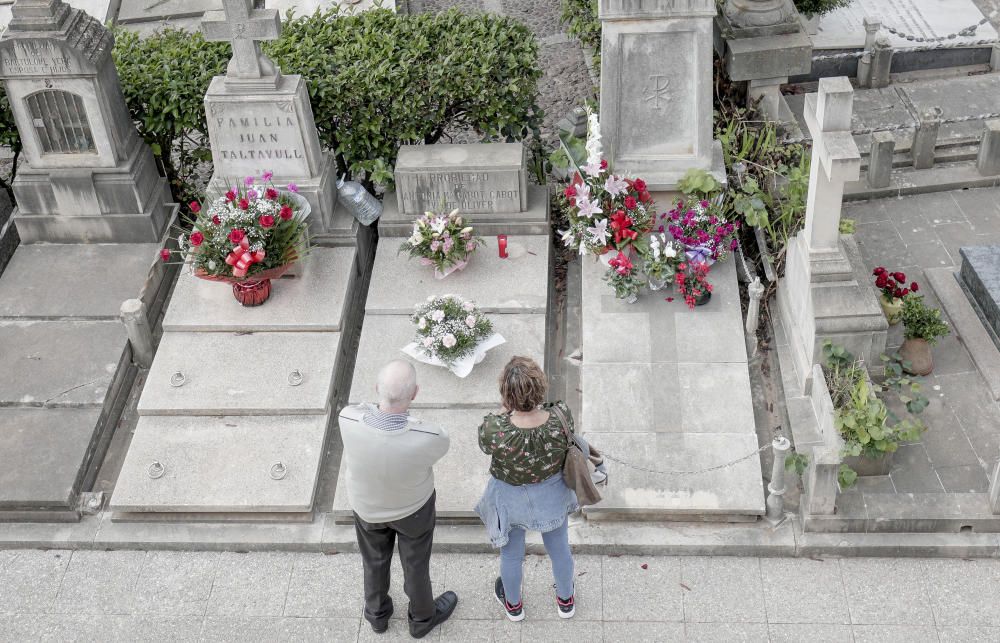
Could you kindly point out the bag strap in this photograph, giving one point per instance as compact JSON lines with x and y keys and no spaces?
{"x":565,"y":425}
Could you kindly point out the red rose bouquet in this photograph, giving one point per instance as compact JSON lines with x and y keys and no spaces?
{"x":893,"y":284}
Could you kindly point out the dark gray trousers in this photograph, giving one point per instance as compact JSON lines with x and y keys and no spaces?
{"x":416,"y":537}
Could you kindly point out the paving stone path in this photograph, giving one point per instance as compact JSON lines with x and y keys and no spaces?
{"x":207,"y":596}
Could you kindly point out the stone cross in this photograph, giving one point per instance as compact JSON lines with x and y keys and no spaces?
{"x":244,"y":27}
{"x":835,"y":160}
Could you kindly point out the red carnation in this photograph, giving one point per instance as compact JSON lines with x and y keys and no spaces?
{"x":898,"y":294}
{"x":266,"y":221}
{"x":165,"y":254}
{"x":881,"y":281}
{"x":904,"y":292}
{"x":630,"y":202}
{"x":645,"y":197}
{"x":879,"y":271}
{"x":639,"y":185}
{"x":244,"y":204}
{"x":569,"y":192}
{"x":604,"y":164}
{"x":197,"y":238}
{"x":236,"y":235}
{"x":230,"y":196}
{"x":195,"y":207}
{"x":271,"y":193}
{"x":913,"y":287}
{"x":285,"y":213}
{"x":898,"y":276}
{"x":216,"y":220}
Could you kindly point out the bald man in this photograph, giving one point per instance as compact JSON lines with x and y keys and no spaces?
{"x":390,"y":459}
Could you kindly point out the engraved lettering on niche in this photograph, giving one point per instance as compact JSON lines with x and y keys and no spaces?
{"x":258,"y":137}
{"x":452,"y":189}
{"x":35,"y":58}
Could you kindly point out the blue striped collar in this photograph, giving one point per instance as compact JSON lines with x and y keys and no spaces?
{"x":378,"y":419}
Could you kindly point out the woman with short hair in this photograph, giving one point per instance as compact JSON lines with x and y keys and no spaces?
{"x":528,"y":444}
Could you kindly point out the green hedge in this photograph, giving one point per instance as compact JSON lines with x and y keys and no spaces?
{"x":580,"y":18}
{"x":376,"y":80}
{"x":819,"y":7}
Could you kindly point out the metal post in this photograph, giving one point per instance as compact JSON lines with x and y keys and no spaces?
{"x":925,"y":139}
{"x":776,"y":488}
{"x":880,"y":159}
{"x":988,"y":162}
{"x":140,"y":336}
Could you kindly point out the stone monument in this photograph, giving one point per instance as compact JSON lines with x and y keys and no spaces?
{"x":87,"y":176}
{"x":825,"y":293}
{"x":487,"y":181}
{"x":261,"y":120}
{"x":656,"y":89}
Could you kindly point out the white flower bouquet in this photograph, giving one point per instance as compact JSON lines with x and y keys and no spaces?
{"x":451,"y":332}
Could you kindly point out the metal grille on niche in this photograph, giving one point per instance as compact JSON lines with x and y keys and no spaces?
{"x":59,"y":119}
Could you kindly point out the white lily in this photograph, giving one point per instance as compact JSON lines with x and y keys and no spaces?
{"x":615,"y":185}
{"x":588,"y":208}
{"x":599,"y":232}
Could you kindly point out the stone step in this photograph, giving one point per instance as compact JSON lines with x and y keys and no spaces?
{"x":908,"y":513}
{"x":459,"y":477}
{"x":314,"y":300}
{"x":383,"y":336}
{"x":222,"y":464}
{"x":943,"y":177}
{"x":535,"y":220}
{"x":53,"y":281}
{"x":59,"y":363}
{"x":242,"y":374}
{"x":731,"y":494}
{"x":44,"y":455}
{"x":518,"y":284}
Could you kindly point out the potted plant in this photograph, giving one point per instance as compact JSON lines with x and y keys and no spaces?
{"x":621,"y":275}
{"x":892,"y":287}
{"x":871,"y":433}
{"x":445,"y":241}
{"x":247,"y":237}
{"x":451,"y":332}
{"x":692,"y":282}
{"x":659,"y":260}
{"x":700,"y":227}
{"x":922,"y":327}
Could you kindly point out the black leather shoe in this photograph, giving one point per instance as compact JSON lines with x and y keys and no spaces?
{"x":444,"y":605}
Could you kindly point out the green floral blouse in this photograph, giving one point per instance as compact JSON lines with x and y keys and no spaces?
{"x":525,"y":456}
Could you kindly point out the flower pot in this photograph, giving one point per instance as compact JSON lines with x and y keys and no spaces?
{"x":863,"y":466}
{"x":917,"y":352}
{"x":892,"y":309}
{"x":702,"y":299}
{"x":657,"y":283}
{"x":252,"y":292}
{"x":632,"y":298}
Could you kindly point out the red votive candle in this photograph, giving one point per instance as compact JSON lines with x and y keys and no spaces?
{"x":502,"y":245}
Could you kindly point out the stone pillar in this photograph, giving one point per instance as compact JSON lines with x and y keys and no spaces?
{"x":86,"y":176}
{"x":260,"y":119}
{"x":135,"y":317}
{"x":880,"y":159}
{"x":656,"y":89}
{"x":925,"y":139}
{"x":825,"y":293}
{"x":995,"y":490}
{"x":988,"y":161}
{"x":775,"y":503}
{"x":881,"y":63}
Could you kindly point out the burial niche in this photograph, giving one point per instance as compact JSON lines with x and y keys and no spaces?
{"x":59,"y":120}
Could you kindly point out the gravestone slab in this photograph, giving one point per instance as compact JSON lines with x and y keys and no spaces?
{"x":42,"y":455}
{"x":59,"y":363}
{"x":733,"y":493}
{"x":980,"y":273}
{"x":222,"y":464}
{"x":241,"y":374}
{"x":133,"y":11}
{"x":475,"y":178}
{"x":59,"y":280}
{"x":383,"y":336}
{"x":316,"y":300}
{"x":518,"y":284}
{"x":459,"y":477}
{"x":844,"y":28}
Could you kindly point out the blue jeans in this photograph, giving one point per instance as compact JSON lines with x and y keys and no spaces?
{"x":557,"y":547}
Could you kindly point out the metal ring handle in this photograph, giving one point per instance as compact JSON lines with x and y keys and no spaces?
{"x":278,"y":471}
{"x":156,"y":470}
{"x":178,"y":379}
{"x":295,"y":378}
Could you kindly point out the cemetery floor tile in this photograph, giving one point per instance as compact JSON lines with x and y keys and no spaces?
{"x":573,"y":630}
{"x":480,"y":631}
{"x":814,"y":633}
{"x":306,"y":630}
{"x":175,"y":583}
{"x":471,"y":577}
{"x":540,"y":594}
{"x":912,"y":471}
{"x":825,"y":602}
{"x":99,"y":582}
{"x":722,"y":589}
{"x":30,"y":580}
{"x":716,"y":632}
{"x":951,"y":355}
{"x":964,"y":479}
{"x":963,"y":594}
{"x":953,"y":236}
{"x":981,"y":207}
{"x":253,"y":584}
{"x":927,"y":254}
{"x":86,"y":628}
{"x":325,"y":586}
{"x":968,"y":634}
{"x":886,"y":591}
{"x":881,"y":244}
{"x":894,"y":634}
{"x":633,"y":592}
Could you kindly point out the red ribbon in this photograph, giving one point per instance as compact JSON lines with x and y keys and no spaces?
{"x":241,"y":258}
{"x":620,"y":223}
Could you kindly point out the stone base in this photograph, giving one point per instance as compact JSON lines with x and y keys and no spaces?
{"x":768,"y":56}
{"x":105,"y":228}
{"x":535,"y":220}
{"x":662,"y":176}
{"x":843,"y":308}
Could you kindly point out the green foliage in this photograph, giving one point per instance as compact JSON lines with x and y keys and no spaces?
{"x":164,"y":78}
{"x":580,"y":18}
{"x":819,"y":7}
{"x":698,"y":183}
{"x":9,"y":137}
{"x":860,"y":416}
{"x":847,"y":226}
{"x":908,"y":391}
{"x":796,"y":462}
{"x":377,"y":80}
{"x":921,"y":321}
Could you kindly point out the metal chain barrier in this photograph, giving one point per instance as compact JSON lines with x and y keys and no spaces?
{"x":967,"y":31}
{"x":902,"y":126}
{"x":684,"y":473}
{"x":944,"y":45}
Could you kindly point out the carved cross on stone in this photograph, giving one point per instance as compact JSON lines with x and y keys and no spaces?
{"x":244,"y":27}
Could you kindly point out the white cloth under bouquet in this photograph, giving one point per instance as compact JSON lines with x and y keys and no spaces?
{"x":461,"y":367}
